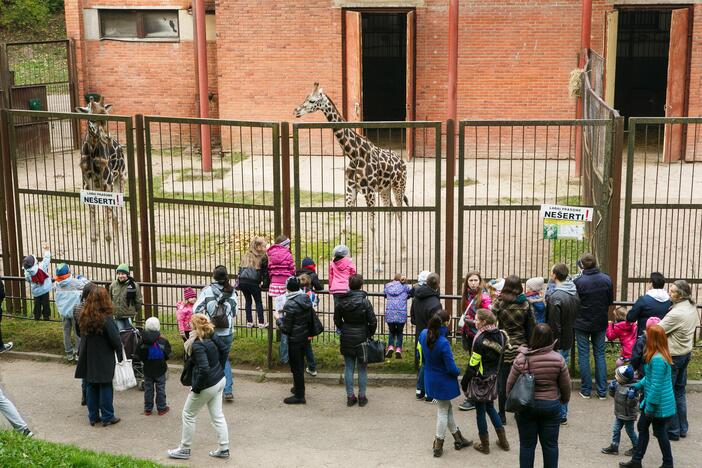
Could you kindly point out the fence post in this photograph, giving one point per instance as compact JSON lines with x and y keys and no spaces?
{"x":615,"y":200}
{"x":448,"y":235}
{"x":285,"y":172}
{"x":143,"y":216}
{"x":270,"y":332}
{"x":13,"y":256}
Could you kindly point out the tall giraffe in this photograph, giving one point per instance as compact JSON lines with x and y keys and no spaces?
{"x":370,"y":169}
{"x":101,"y":163}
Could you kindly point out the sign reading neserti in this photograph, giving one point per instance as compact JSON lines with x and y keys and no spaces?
{"x":111,"y":199}
{"x":565,"y":222}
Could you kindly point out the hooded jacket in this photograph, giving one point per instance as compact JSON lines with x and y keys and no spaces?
{"x":440,"y":370}
{"x":118,"y":293}
{"x":626,"y":333}
{"x":551,"y":377}
{"x":67,"y":295}
{"x":339,"y":273}
{"x":561,"y":309}
{"x":354,"y":317}
{"x":679,"y":324}
{"x":207,"y":304}
{"x":154,"y":368}
{"x":280,"y":264}
{"x":657,"y":384}
{"x":655,"y":303}
{"x":45,"y":286}
{"x":624,"y":407}
{"x":424,"y":304}
{"x":516,"y":319}
{"x":396,"y":304}
{"x":297,"y":317}
{"x":596,"y":295}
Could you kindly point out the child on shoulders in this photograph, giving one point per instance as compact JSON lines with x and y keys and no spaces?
{"x":535,"y":296}
{"x":625,"y":332}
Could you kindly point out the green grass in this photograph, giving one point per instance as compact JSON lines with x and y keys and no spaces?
{"x":233,"y":157}
{"x":568,"y":251}
{"x":187,"y":246}
{"x":321,"y":249}
{"x":196,"y":175}
{"x":19,"y":451}
{"x":466,"y":182}
{"x":570,"y":200}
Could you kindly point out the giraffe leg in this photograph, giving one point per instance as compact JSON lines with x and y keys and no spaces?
{"x":349,"y":200}
{"x":399,"y":193}
{"x":93,"y":223}
{"x":375,"y":242}
{"x":386,"y":198}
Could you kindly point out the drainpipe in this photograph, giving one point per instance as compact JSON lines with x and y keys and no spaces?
{"x":585,"y":33}
{"x":203,"y":86}
{"x":451,"y":145}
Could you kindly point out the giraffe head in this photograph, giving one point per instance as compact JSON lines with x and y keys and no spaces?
{"x":96,"y":128}
{"x":314,"y":102}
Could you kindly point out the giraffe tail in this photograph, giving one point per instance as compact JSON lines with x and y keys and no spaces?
{"x":405,"y":199}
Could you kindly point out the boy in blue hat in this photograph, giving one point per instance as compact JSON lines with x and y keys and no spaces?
{"x":37,"y":275}
{"x":67,"y":292}
{"x":625,"y":409}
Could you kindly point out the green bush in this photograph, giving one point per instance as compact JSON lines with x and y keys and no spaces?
{"x":25,"y":13}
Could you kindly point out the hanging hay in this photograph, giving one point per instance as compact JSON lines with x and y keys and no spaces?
{"x":575,"y":84}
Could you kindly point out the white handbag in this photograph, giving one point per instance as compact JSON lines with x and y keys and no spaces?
{"x":124,"y":378}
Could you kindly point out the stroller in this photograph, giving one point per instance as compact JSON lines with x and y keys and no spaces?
{"x":131,"y":340}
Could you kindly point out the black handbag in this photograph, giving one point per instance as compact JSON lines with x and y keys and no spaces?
{"x":371,"y":351}
{"x":316,"y":327}
{"x":485,"y":388}
{"x":186,"y":377}
{"x":521,"y":397}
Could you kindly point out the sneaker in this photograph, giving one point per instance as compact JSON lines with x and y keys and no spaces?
{"x":467,"y":405}
{"x":164,"y":411}
{"x":398,"y":353}
{"x":219,"y":453}
{"x":111,"y":422}
{"x":293,"y":400}
{"x":228,"y":397}
{"x":6,"y":347}
{"x":630,"y":452}
{"x":564,"y":422}
{"x":312,"y":372}
{"x":351,"y":400}
{"x":602,"y":396}
{"x":179,"y":453}
{"x":249,"y":324}
{"x":388,"y":353}
{"x":69,"y":357}
{"x":147,"y":412}
{"x":583,"y":395}
{"x":26,"y":432}
{"x":428,"y":399}
{"x":263,"y":325}
{"x":93,"y":423}
{"x":362,"y":401}
{"x":611,"y":450}
{"x":419,"y":395}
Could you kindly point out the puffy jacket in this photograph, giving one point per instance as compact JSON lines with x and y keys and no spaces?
{"x":154,"y":368}
{"x":209,"y":356}
{"x":118,"y":293}
{"x":257,"y":276}
{"x":339,"y":273}
{"x":596,"y":295}
{"x":516,"y":319}
{"x":636,"y":361}
{"x":485,"y":355}
{"x":316,"y":284}
{"x":354,"y":317}
{"x":184,"y":313}
{"x":425,"y":303}
{"x":551,"y":377}
{"x":679,"y":324}
{"x":658,"y":400}
{"x":67,"y":295}
{"x":45,"y":286}
{"x":298,"y":317}
{"x":624,"y":407}
{"x":280,"y":264}
{"x":440,"y":370}
{"x":396,"y":304}
{"x":655,"y":303}
{"x":562,"y":307}
{"x":470,"y":305}
{"x":626,"y":333}
{"x":96,"y":356}
{"x":207,"y":304}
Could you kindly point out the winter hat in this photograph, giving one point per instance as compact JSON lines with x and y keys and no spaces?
{"x":292,"y":284}
{"x":220,"y":275}
{"x":652,"y":321}
{"x":340,"y":250}
{"x":62,"y":270}
{"x":123,"y":268}
{"x":189,"y":293}
{"x":422,"y":277}
{"x":308,"y":264}
{"x":152,"y":324}
{"x":535,"y":284}
{"x":624,"y":374}
{"x":286,"y":242}
{"x":28,"y":262}
{"x":497,"y":284}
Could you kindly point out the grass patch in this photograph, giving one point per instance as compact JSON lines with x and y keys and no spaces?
{"x":17,"y":450}
{"x":187,"y":246}
{"x":197,"y":175}
{"x":234,"y":157}
{"x":568,"y":251}
{"x":570,"y":200}
{"x":321,"y":250}
{"x":466,"y":182}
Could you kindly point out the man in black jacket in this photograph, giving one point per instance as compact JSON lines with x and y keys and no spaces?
{"x":425,"y":304}
{"x":596,"y":295}
{"x":296,"y":324}
{"x":561,"y":309}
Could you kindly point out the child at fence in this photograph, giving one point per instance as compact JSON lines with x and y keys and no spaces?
{"x":309,"y":268}
{"x":37,"y":275}
{"x":253,"y":276}
{"x":307,"y":287}
{"x":67,"y":293}
{"x":625,"y":409}
{"x":153,"y":352}
{"x":341,"y":268}
{"x":494,"y":288}
{"x":638,"y":352}
{"x":184,"y":312}
{"x":397,"y":292}
{"x":3,"y":346}
{"x":535,"y":296}
{"x":280,"y":267}
{"x":126,"y":298}
{"x":625,"y":332}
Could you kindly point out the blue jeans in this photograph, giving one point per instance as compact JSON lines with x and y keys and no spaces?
{"x":99,"y":396}
{"x":309,"y":354}
{"x":482,"y":407}
{"x":659,"y":430}
{"x":583,"y":340}
{"x":283,"y":349}
{"x":617,"y":431}
{"x":678,"y":423}
{"x":159,"y":385}
{"x":350,"y":364}
{"x":395,"y":334}
{"x":227,"y":340}
{"x":541,"y":423}
{"x":565,"y":353}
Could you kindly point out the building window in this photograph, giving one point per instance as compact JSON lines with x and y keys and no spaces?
{"x":139,"y":24}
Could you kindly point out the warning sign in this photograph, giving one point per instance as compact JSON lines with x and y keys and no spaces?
{"x":565,"y":222}
{"x":111,"y":199}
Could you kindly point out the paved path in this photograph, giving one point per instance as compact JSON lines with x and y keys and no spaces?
{"x":393,"y":430}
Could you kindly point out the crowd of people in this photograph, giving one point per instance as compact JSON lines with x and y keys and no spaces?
{"x":509,"y":328}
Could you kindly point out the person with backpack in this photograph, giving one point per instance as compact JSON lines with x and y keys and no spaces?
{"x":253,"y":276}
{"x":219,"y":302}
{"x":67,"y":295}
{"x":153,"y":352}
{"x":126,"y":297}
{"x":37,"y":275}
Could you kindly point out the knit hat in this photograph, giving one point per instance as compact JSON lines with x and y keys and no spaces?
{"x":62,"y":270}
{"x":422,"y":277}
{"x":28,"y":262}
{"x":308,"y":262}
{"x":340,"y":250}
{"x":535,"y":284}
{"x":292,"y":284}
{"x":624,"y":374}
{"x":219,"y":274}
{"x":123,"y":268}
{"x":189,"y":293}
{"x":497,"y":284}
{"x":152,"y":324}
{"x":285,"y":242}
{"x":652,"y":321}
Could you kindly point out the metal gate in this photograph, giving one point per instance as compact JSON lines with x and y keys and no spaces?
{"x":663,"y":205}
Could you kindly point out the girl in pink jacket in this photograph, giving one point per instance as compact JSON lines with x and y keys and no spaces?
{"x":184,"y":312}
{"x":341,"y":268}
{"x":280,"y":265}
{"x":625,"y":332}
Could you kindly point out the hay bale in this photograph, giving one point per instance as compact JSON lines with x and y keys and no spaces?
{"x":575,"y":84}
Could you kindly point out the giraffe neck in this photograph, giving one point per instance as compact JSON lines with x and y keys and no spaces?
{"x":343,"y":135}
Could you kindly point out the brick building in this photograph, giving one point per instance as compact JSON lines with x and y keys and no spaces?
{"x":385,"y":62}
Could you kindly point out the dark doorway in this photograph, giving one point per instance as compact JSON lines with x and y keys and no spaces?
{"x":384,"y":55}
{"x":643,"y":41}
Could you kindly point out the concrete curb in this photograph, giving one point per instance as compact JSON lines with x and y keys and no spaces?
{"x":400,"y":380}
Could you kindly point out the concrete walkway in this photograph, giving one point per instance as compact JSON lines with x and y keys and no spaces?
{"x":393,"y":430}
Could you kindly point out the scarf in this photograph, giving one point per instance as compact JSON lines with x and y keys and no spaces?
{"x":188,"y":345}
{"x":311,"y":268}
{"x":39,"y":277}
{"x":482,"y":329}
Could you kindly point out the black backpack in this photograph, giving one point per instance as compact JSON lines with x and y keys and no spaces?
{"x":219,"y":317}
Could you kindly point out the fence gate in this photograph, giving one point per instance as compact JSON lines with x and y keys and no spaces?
{"x":506,"y":170}
{"x":663,"y":205}
{"x":47,"y":202}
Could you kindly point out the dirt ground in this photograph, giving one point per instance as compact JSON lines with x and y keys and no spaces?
{"x":393,"y":430}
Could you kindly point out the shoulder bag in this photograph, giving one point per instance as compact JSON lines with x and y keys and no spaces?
{"x":371,"y":351}
{"x":521,"y":397}
{"x":124,"y":378}
{"x":485,"y":388}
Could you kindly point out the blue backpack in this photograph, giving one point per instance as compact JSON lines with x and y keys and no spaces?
{"x":156,"y":352}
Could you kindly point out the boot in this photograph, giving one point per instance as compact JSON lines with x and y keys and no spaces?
{"x":484,"y":445}
{"x":438,"y":447}
{"x":502,"y":441}
{"x":459,"y":442}
{"x":630,"y":464}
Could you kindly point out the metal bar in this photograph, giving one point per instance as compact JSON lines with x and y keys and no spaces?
{"x":450,"y":171}
{"x":11,"y":200}
{"x":534,"y":122}
{"x":296,"y":195}
{"x":666,"y":206}
{"x":70,"y":115}
{"x":373,"y":125}
{"x":215,"y":204}
{"x":277,"y":221}
{"x":134,"y":231}
{"x":437,"y":195}
{"x":143,"y":212}
{"x":7,"y":248}
{"x":20,"y":43}
{"x":628,"y":206}
{"x":502,"y":208}
{"x":364,"y":209}
{"x":285,"y":172}
{"x":219,"y":122}
{"x":54,"y":193}
{"x":461,"y":202}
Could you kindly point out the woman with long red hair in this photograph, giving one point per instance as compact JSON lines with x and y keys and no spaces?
{"x":658,"y":404}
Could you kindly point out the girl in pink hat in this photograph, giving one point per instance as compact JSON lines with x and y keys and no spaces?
{"x":184,"y":312}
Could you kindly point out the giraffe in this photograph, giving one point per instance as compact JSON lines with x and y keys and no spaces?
{"x":101,"y":163}
{"x":371,"y":170}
